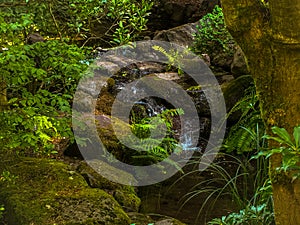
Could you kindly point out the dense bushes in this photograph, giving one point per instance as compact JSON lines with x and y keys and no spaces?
{"x":40,"y":81}
{"x":111,"y":22}
{"x":212,"y":35}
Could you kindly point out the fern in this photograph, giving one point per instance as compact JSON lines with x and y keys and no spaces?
{"x":152,"y":150}
{"x":174,"y":58}
{"x":246,"y":134}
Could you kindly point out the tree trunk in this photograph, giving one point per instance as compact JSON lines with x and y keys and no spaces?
{"x":270,"y":38}
{"x":3,"y":96}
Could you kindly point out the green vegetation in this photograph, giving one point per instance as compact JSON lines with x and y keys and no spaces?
{"x":289,"y":149}
{"x":246,"y":134}
{"x":155,"y":150}
{"x":212,"y":35}
{"x":40,"y":82}
{"x":46,"y":48}
{"x":74,"y":21}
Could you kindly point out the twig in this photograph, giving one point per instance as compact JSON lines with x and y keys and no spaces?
{"x":55,"y":22}
{"x":12,"y":5}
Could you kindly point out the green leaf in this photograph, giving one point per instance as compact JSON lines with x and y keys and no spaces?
{"x":296,"y":135}
{"x":283,"y":134}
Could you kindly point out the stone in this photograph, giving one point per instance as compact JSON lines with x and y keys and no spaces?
{"x":222,"y":60}
{"x":233,"y":91}
{"x":50,"y":192}
{"x":239,"y":64}
{"x":169,"y":222}
{"x":124,"y":195}
{"x":181,"y":35}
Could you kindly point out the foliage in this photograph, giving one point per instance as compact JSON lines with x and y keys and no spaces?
{"x":233,"y":177}
{"x":174,"y":58}
{"x":289,"y":149}
{"x":212,"y":35}
{"x":12,"y":31}
{"x":113,"y":22}
{"x":246,"y":134}
{"x":259,"y":210}
{"x":153,"y":150}
{"x":7,"y":177}
{"x":41,"y":80}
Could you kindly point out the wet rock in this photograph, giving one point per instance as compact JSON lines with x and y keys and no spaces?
{"x":222,"y":60}
{"x":144,"y":219}
{"x":171,"y":13}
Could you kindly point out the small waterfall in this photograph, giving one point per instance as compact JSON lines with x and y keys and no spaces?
{"x":186,"y":142}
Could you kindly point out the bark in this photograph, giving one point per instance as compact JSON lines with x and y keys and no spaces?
{"x":270,"y":39}
{"x":3,"y":96}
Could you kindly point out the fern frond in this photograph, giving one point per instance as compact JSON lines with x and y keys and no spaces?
{"x":247,"y":133}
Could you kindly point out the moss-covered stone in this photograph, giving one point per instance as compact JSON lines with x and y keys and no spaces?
{"x":48,"y":192}
{"x":125,"y":195}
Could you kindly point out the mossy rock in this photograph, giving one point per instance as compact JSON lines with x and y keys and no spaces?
{"x":124,"y":195}
{"x":48,"y":192}
{"x":234,"y":91}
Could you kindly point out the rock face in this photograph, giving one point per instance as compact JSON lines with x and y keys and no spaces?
{"x":182,"y":35}
{"x":171,"y":13}
{"x":239,"y":64}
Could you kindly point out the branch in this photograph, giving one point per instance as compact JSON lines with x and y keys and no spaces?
{"x":55,"y":22}
{"x":12,"y":4}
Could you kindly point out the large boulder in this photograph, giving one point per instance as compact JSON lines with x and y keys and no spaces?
{"x":50,"y":192}
{"x":171,"y":13}
{"x":181,"y":35}
{"x":124,"y":195}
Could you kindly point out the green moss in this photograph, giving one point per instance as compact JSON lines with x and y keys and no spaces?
{"x":130,"y":201}
{"x":124,"y":195}
{"x":48,"y":192}
{"x":280,"y":177}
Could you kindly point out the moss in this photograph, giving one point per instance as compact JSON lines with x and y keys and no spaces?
{"x":280,"y":177}
{"x":48,"y":192}
{"x":124,"y":195}
{"x":130,"y":201}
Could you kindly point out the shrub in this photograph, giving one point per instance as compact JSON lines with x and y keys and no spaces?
{"x":112,"y":22}
{"x":40,"y":81}
{"x":212,"y":35}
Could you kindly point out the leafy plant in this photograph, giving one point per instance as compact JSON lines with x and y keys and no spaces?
{"x":40,"y":82}
{"x":8,"y":178}
{"x":132,"y":17}
{"x":251,"y":215}
{"x":289,"y":149}
{"x":212,"y":35}
{"x":237,"y":182}
{"x":246,"y":135}
{"x":78,"y":21}
{"x":259,"y":210}
{"x":2,"y":209}
{"x":153,"y":150}
{"x":174,"y":58}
